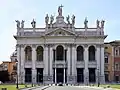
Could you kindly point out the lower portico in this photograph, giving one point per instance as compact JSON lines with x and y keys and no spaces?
{"x":63,"y":67}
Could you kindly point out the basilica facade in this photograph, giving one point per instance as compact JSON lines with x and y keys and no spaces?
{"x":60,"y":52}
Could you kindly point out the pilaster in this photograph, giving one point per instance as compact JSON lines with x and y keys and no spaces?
{"x":74,"y":73}
{"x":33,"y":64}
{"x":98,"y":63}
{"x":18,"y":62}
{"x":68,"y":64}
{"x":50,"y":62}
{"x":86,"y":71}
{"x":22,"y":64}
{"x":102,"y":77}
{"x":45,"y":71}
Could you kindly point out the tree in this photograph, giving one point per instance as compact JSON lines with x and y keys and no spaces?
{"x":4,"y":76}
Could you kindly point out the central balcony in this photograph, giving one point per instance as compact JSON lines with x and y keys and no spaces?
{"x":59,"y":64}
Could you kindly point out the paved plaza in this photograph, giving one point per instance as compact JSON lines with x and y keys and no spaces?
{"x":68,"y":88}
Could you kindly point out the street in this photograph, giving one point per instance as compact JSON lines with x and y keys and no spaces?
{"x":72,"y":88}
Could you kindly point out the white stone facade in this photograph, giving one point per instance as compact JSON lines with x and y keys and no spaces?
{"x":60,"y":59}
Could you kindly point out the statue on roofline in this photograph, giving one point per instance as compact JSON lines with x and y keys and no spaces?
{"x":18,"y":23}
{"x":46,"y":19}
{"x":98,"y":23}
{"x":102,"y":23}
{"x":33,"y":23}
{"x":22,"y":24}
{"x":67,"y":18}
{"x":85,"y":23}
{"x":73,"y":19}
{"x":51,"y":19}
{"x":60,"y":10}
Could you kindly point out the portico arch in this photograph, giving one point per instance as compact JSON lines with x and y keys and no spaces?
{"x":28,"y":53}
{"x":60,"y":52}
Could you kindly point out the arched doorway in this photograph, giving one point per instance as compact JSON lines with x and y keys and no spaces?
{"x":60,"y":53}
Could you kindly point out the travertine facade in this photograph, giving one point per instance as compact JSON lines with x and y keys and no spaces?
{"x":60,"y":52}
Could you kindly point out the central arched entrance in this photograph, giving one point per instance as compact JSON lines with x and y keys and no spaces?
{"x":60,"y":70}
{"x":60,"y":53}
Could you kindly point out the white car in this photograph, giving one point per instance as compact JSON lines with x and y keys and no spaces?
{"x":0,"y":82}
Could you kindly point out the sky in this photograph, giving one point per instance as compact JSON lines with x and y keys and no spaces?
{"x":11,"y":10}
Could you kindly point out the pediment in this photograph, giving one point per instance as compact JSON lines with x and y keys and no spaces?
{"x":60,"y":32}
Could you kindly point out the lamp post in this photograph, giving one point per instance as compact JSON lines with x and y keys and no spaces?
{"x":98,"y":78}
{"x":17,"y":75}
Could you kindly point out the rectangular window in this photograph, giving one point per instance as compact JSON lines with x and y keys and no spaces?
{"x":106,"y":47}
{"x":116,"y":66}
{"x":116,"y":52}
{"x":106,"y":59}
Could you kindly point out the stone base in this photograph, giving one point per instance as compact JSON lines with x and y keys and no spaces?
{"x":48,"y":79}
{"x":102,"y":79}
{"x":71,"y":79}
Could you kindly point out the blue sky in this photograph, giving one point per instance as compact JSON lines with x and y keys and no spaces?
{"x":11,"y":10}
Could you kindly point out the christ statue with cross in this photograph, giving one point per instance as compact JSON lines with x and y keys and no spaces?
{"x":60,"y":10}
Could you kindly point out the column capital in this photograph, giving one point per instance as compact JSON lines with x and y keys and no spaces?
{"x":85,"y":45}
{"x":73,"y":45}
{"x":51,"y":45}
{"x":97,"y":45}
{"x":17,"y":45}
{"x":22,"y":45}
{"x":34,"y":45}
{"x":67,"y":45}
{"x":46,"y":45}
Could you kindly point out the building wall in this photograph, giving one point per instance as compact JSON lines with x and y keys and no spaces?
{"x":110,"y":64}
{"x":116,"y":53}
{"x":9,"y":66}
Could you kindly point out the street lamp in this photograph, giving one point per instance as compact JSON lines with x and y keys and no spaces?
{"x":17,"y":75}
{"x":98,"y":78}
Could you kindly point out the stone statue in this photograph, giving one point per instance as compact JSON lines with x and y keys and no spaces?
{"x":67,"y":18}
{"x":18,"y":23}
{"x":73,"y":19}
{"x":22,"y":24}
{"x":102,"y":23}
{"x":51,"y":19}
{"x":33,"y":23}
{"x":46,"y":19}
{"x":60,"y":10}
{"x":85,"y":23}
{"x":98,"y":23}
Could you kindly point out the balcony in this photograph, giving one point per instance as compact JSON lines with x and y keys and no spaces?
{"x":80,"y":64}
{"x":39,"y":64}
{"x":92,"y":64}
{"x":28,"y":64}
{"x":60,"y":64}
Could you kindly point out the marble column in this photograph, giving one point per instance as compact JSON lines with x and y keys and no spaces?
{"x":33,"y":64}
{"x":22,"y":64}
{"x":18,"y":63}
{"x":74,"y":73}
{"x":64,"y":75}
{"x":86,"y":71}
{"x":68,"y":64}
{"x":98,"y":63}
{"x":55,"y":77}
{"x":102,"y":65}
{"x":45,"y":72}
{"x":51,"y":68}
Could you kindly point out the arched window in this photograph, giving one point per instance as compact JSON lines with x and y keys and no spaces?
{"x":60,"y":52}
{"x":91,"y":53}
{"x":28,"y":53}
{"x":80,"y":54}
{"x":39,"y":53}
